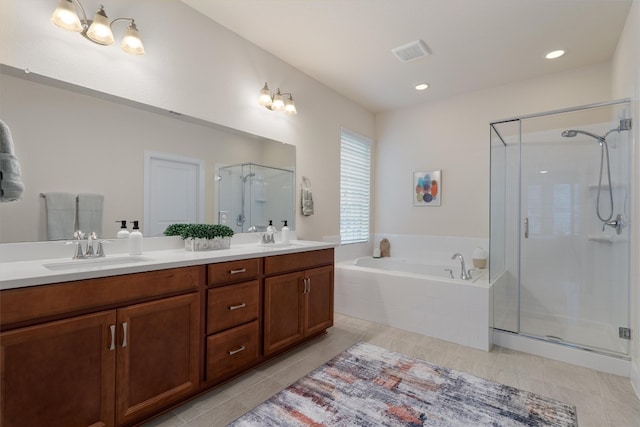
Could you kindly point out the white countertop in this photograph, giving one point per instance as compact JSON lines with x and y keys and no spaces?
{"x":19,"y":274}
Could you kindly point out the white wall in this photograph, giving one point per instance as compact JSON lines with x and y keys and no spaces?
{"x":453,"y":135}
{"x":195,"y":67}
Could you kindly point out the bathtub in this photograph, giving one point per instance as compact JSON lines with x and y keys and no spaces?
{"x":413,"y":266}
{"x":417,"y":295}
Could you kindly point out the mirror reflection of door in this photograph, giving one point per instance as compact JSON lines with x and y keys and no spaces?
{"x":173,"y":192}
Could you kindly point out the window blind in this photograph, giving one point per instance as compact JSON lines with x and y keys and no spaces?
{"x":355,"y":187}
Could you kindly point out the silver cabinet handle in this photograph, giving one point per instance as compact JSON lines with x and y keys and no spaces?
{"x":232,"y":352}
{"x":526,"y":228}
{"x":112,"y":328}
{"x":307,"y":285}
{"x":241,"y":270}
{"x":235,"y":307}
{"x":124,"y":335}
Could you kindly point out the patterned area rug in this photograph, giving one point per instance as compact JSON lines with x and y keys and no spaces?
{"x":370,"y":386}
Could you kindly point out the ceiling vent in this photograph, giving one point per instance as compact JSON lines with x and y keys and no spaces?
{"x":411,"y":51}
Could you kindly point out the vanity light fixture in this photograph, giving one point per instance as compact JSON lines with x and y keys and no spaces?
{"x":97,"y":30}
{"x":277,"y":102}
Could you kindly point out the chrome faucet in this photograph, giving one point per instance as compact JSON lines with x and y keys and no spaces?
{"x":464,"y":274}
{"x":89,"y":253}
{"x":268,"y":238}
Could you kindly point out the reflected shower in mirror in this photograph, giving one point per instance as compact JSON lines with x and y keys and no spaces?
{"x":251,"y":195}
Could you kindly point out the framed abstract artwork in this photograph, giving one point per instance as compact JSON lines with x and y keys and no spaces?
{"x":427,"y":188}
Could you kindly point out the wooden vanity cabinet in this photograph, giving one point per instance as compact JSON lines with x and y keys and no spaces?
{"x":112,"y":367}
{"x":297,"y":304}
{"x":232,"y":339}
{"x":117,"y":350}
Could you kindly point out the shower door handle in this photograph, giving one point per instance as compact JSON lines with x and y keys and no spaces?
{"x":526,"y":227}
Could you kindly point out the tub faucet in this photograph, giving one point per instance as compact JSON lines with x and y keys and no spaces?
{"x":464,"y":274}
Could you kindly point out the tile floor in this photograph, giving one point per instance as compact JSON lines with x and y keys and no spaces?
{"x":602,"y":400}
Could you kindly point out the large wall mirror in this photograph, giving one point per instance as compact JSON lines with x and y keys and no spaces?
{"x":74,"y":140}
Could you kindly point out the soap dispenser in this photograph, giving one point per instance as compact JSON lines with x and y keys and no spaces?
{"x":270,"y":228}
{"x":135,"y":240}
{"x":285,"y":232}
{"x":270,"y":235}
{"x":123,"y":233}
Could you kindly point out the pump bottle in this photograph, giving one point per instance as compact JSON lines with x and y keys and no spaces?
{"x":135,"y":240}
{"x":123,"y":233}
{"x":284,"y":232}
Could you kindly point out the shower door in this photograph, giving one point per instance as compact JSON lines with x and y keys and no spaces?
{"x":573,"y":272}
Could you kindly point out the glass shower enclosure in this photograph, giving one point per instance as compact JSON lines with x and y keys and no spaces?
{"x":249,"y":195}
{"x":559,"y":230}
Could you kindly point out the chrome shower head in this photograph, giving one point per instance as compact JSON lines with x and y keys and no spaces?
{"x":247,"y":176}
{"x":570,"y":133}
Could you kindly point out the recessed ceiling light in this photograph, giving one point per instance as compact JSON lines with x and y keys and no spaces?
{"x":421,"y":86}
{"x":544,"y":171}
{"x":554,"y":54}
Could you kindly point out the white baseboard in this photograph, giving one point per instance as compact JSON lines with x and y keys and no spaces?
{"x":635,"y":376}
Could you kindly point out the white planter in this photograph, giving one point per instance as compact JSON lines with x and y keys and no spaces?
{"x":207,"y":244}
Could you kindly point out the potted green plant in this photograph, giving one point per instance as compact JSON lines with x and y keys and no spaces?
{"x":202,"y":237}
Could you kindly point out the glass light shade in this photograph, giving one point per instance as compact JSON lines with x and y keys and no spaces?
{"x":289,"y":106}
{"x":131,"y":42}
{"x":265,"y":96}
{"x":278,"y":102}
{"x":65,"y":17}
{"x":100,"y":29}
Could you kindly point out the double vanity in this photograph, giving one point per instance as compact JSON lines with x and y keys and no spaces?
{"x":118,"y":340}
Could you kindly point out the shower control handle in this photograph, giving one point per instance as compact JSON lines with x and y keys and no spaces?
{"x":617,"y":223}
{"x":526,"y":227}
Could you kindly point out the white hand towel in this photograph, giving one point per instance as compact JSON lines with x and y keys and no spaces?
{"x":61,"y":215}
{"x":307,"y":202}
{"x":90,"y":212}
{"x":306,"y":197}
{"x":11,"y":186}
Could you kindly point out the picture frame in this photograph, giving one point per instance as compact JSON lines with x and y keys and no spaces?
{"x":427,"y":188}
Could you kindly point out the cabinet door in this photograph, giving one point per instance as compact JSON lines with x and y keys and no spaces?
{"x":319,"y":301}
{"x":59,"y":373}
{"x":232,"y":350}
{"x":158,"y":359}
{"x":283,"y":311}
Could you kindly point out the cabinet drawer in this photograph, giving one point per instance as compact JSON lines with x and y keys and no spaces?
{"x":51,"y":301}
{"x":298,"y":261}
{"x":233,"y":271}
{"x":232,"y":350}
{"x":232,"y":305}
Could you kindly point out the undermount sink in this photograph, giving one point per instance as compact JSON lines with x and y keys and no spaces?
{"x":280,"y":245}
{"x":82,"y":263}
